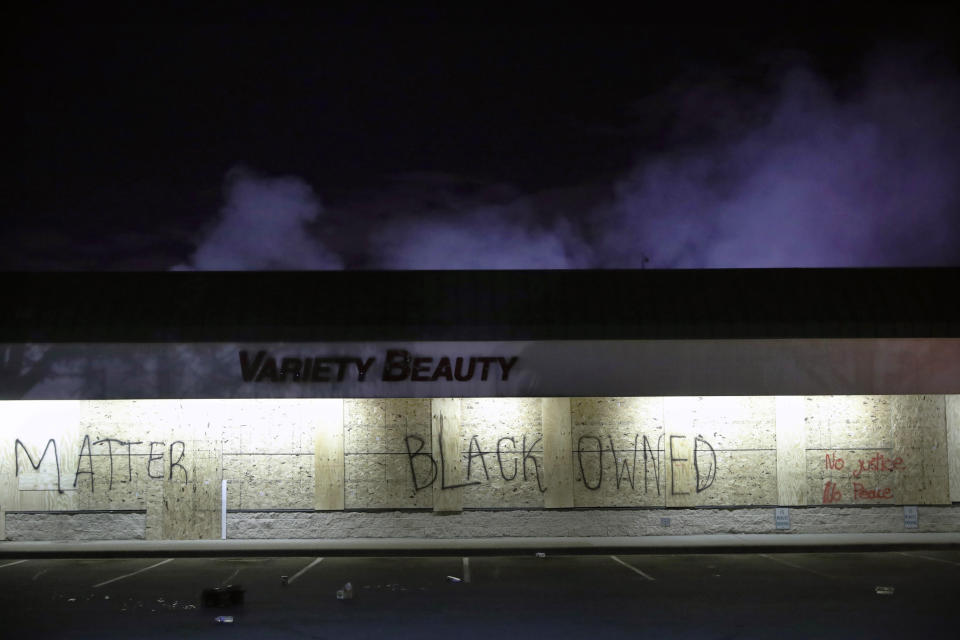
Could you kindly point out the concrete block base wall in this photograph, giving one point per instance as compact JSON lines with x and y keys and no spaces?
{"x":304,"y":525}
{"x":73,"y":526}
{"x":581,"y":523}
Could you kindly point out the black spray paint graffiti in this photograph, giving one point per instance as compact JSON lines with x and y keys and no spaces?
{"x":625,"y":462}
{"x":710,"y":473}
{"x":36,"y":466}
{"x":526,"y":456}
{"x":474,"y":451}
{"x":87,"y":454}
{"x":625,"y":467}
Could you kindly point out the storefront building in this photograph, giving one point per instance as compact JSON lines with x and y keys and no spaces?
{"x":479,"y":404}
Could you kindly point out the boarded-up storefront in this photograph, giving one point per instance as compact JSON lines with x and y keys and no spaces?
{"x":611,"y":424}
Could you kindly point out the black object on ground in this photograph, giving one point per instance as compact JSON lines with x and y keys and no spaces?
{"x":230,"y":595}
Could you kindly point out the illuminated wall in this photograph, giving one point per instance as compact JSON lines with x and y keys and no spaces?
{"x":166,"y":458}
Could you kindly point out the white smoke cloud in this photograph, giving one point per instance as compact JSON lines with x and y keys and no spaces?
{"x":796,"y":176}
{"x":481,"y":237}
{"x":822,"y":181}
{"x":264,"y":225}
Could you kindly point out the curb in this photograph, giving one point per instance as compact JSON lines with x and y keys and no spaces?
{"x":730,"y":543}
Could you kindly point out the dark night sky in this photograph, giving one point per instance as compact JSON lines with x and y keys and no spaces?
{"x":788,"y":135}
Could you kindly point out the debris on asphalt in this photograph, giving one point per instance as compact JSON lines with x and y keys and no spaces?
{"x":284,"y":580}
{"x":346,"y":593}
{"x":540,"y":554}
{"x":884,"y":591}
{"x":106,"y":597}
{"x":454,"y":579}
{"x":224,"y":619}
{"x":71,"y":599}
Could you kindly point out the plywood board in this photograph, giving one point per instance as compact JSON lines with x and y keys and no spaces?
{"x":557,"y":453}
{"x":720,"y":451}
{"x":678,"y":443}
{"x":191,"y":507}
{"x":791,"y":448}
{"x":125,"y":444}
{"x":448,"y":487}
{"x":270,"y":481}
{"x":266,"y":426}
{"x":328,"y":455}
{"x":844,"y":435}
{"x":388,"y":457}
{"x":953,"y":444}
{"x":617,"y":451}
{"x":737,"y":478}
{"x":920,"y":439}
{"x":734,"y":450}
{"x":852,"y":476}
{"x":848,"y":422}
{"x":736,"y":423}
{"x":46,"y":432}
{"x":876,"y":450}
{"x":160,"y":424}
{"x":191,"y":487}
{"x":268,"y":452}
{"x":501,"y":452}
{"x":153,"y":500}
{"x":64,"y":425}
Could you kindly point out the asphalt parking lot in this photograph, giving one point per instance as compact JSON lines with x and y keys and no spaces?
{"x":744,"y":595}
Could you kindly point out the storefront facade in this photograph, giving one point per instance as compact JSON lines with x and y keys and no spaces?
{"x":617,"y":426}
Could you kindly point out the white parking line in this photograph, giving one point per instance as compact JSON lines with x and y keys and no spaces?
{"x":230,"y":577}
{"x":632,"y":568}
{"x":106,"y":582}
{"x":796,"y":566}
{"x":466,"y":569}
{"x":917,"y":555}
{"x":10,"y":564}
{"x":304,"y":570}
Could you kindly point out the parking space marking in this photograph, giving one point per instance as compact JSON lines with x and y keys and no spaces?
{"x":632,"y":568}
{"x":153,"y":566}
{"x":10,"y":564}
{"x":796,"y":566}
{"x":304,"y":570}
{"x":918,"y":555}
{"x":230,"y":577}
{"x":38,"y":574}
{"x":466,"y":569}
